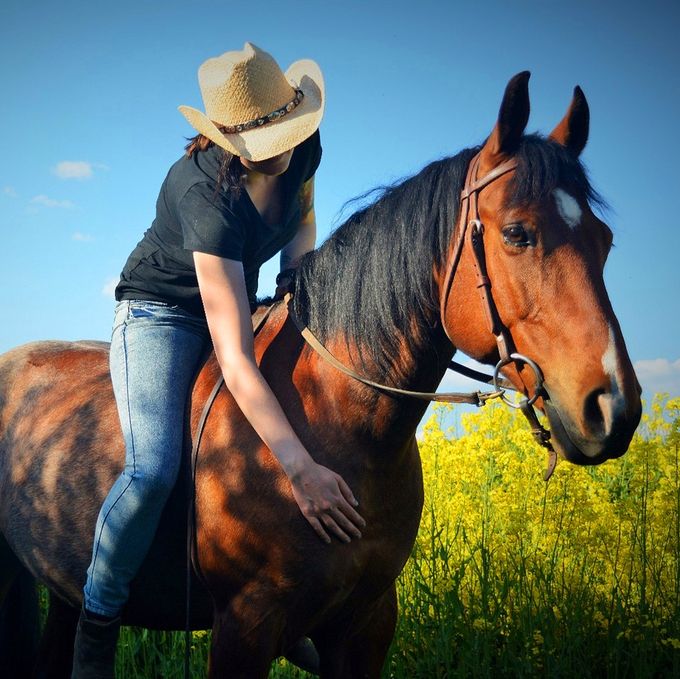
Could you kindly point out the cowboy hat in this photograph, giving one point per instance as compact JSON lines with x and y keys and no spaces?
{"x":263,"y":111}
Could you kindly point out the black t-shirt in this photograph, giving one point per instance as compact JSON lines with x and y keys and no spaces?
{"x":190,"y":217}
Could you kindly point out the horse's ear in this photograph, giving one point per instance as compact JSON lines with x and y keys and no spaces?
{"x":512,"y":119}
{"x":572,"y":130}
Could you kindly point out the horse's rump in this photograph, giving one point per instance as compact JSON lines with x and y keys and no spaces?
{"x":61,"y":449}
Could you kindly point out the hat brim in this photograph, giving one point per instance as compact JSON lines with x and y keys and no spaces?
{"x":278,"y":136}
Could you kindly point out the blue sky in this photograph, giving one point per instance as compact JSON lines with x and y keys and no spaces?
{"x":90,"y":127}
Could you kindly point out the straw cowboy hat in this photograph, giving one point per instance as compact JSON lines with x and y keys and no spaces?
{"x":265,"y":111}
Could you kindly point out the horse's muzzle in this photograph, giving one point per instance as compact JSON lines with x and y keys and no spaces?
{"x":608,"y":426}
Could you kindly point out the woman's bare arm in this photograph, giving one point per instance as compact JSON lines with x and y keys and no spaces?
{"x":305,"y":238}
{"x":322,"y":495}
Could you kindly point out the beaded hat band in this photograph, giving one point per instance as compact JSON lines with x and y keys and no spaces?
{"x":263,"y":120}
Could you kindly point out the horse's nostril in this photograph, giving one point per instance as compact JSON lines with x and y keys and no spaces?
{"x":593,"y":411}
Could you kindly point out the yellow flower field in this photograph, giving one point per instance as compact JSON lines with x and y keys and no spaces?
{"x":512,"y":576}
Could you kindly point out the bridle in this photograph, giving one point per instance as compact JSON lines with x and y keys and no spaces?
{"x":471,"y":230}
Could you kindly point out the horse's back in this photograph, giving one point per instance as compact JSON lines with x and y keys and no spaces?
{"x":61,"y":449}
{"x":31,"y":369}
{"x":45,"y":384}
{"x":46,"y":388}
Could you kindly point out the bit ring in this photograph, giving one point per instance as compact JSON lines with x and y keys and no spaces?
{"x":514,"y":358}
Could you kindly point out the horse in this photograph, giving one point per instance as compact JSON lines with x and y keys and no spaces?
{"x":384,"y":295}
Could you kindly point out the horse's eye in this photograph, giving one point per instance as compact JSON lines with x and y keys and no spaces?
{"x":517,"y":235}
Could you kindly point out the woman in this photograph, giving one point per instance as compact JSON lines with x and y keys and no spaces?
{"x":243,"y":191}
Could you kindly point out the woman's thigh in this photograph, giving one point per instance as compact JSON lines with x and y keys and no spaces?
{"x":155,"y":353}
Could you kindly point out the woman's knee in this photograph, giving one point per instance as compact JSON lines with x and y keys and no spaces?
{"x":153,"y":483}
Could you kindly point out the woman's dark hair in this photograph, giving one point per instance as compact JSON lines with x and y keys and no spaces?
{"x":230,"y":175}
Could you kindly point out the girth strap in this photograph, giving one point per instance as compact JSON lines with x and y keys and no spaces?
{"x":192,"y":546}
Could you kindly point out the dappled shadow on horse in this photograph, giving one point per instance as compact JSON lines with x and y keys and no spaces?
{"x":385,"y":297}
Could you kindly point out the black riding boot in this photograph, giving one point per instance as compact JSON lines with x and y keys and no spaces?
{"x":304,"y":655}
{"x":94,"y":653}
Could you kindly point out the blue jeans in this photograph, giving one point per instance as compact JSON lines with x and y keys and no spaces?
{"x":155,"y":353}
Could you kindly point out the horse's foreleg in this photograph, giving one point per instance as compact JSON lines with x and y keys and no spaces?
{"x":241,"y":649}
{"x":357,"y":647}
{"x":55,"y":654}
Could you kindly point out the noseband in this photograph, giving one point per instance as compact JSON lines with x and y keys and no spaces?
{"x":470,"y":229}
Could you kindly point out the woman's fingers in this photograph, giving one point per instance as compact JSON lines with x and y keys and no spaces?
{"x":332,"y":526}
{"x":346,"y":491}
{"x":327,"y":503}
{"x":335,"y":521}
{"x":347,"y":524}
{"x":318,"y":529}
{"x":348,"y":517}
{"x":348,"y":506}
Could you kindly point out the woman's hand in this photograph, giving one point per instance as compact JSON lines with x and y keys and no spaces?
{"x":326,"y":501}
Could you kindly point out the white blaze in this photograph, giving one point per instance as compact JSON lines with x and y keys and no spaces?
{"x":613,"y":403}
{"x":568,"y":208}
{"x":610,"y":362}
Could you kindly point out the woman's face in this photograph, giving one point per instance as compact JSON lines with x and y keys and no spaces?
{"x":271,"y":166}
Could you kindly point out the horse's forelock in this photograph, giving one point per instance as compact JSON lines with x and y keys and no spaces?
{"x":545,"y":165}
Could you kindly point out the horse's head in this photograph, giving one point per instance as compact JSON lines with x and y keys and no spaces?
{"x":545,"y":252}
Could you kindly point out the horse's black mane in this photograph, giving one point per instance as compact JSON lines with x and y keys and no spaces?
{"x":371,"y":282}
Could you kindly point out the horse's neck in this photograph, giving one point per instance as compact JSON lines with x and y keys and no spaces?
{"x":416,"y":368}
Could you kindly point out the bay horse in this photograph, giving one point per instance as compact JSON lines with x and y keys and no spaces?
{"x":383,"y":295}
